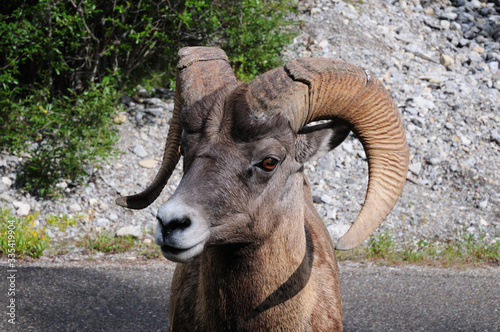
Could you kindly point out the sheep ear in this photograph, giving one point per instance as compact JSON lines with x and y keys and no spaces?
{"x":314,"y":141}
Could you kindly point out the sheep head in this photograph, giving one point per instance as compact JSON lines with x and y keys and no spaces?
{"x":244,"y":147}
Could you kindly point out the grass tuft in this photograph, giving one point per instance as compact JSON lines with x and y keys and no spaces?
{"x":62,"y":222}
{"x":105,"y":241}
{"x":466,"y":249}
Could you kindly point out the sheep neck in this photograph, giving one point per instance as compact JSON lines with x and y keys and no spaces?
{"x":252,"y":280}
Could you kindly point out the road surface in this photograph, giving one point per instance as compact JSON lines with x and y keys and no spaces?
{"x":133,"y":297}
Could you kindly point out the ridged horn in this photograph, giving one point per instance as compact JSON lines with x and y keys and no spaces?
{"x":200,"y":71}
{"x":308,"y":90}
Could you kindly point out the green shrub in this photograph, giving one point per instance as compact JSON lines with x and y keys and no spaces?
{"x":61,"y":136}
{"x":65,"y":44}
{"x":21,"y":234}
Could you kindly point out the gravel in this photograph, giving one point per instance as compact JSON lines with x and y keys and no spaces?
{"x":439,"y":61}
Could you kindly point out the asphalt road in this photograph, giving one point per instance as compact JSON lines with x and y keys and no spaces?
{"x":132,"y":297}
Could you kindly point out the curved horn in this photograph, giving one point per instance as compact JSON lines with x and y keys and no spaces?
{"x":307,"y":90}
{"x":200,"y":71}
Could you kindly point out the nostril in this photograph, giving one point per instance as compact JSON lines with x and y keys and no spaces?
{"x":179,"y":223}
{"x":173,"y":224}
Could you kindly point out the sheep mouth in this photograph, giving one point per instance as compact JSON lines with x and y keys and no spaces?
{"x":182,"y":255}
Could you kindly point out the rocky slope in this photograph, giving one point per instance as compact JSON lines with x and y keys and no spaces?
{"x":440,"y":62}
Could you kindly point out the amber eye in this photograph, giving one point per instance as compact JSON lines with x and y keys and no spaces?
{"x":268,"y":164}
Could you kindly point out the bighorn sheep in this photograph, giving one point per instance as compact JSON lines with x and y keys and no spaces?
{"x":255,"y":254}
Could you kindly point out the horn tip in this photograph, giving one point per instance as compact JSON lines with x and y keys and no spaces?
{"x":135,"y":202}
{"x":122,"y":201}
{"x":346,"y":243}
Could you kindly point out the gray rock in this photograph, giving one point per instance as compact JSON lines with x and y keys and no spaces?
{"x":331,"y":214}
{"x":484,"y":11}
{"x":7,"y":181}
{"x":493,"y":66}
{"x":412,"y":48}
{"x":471,"y":229}
{"x":140,"y":151}
{"x":471,"y":80}
{"x":170,"y":107}
{"x":155,"y":102}
{"x":475,"y":57}
{"x":415,"y":168}
{"x":157,"y":111}
{"x":75,"y":207}
{"x":3,"y":187}
{"x":139,"y":116}
{"x":455,"y":27}
{"x":463,"y":42}
{"x":317,"y":199}
{"x":474,"y":4}
{"x":493,"y":56}
{"x":325,"y":198}
{"x":315,"y":11}
{"x":130,"y":230}
{"x":423,"y":103}
{"x":446,"y":60}
{"x":483,"y":204}
{"x":142,"y":92}
{"x":465,"y":141}
{"x":449,"y":16}
{"x":127,"y":101}
{"x":22,"y":209}
{"x":328,"y":161}
{"x":347,"y":146}
{"x":6,"y":198}
{"x":412,"y":110}
{"x":62,"y":185}
{"x":445,"y":25}
{"x":434,"y":161}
